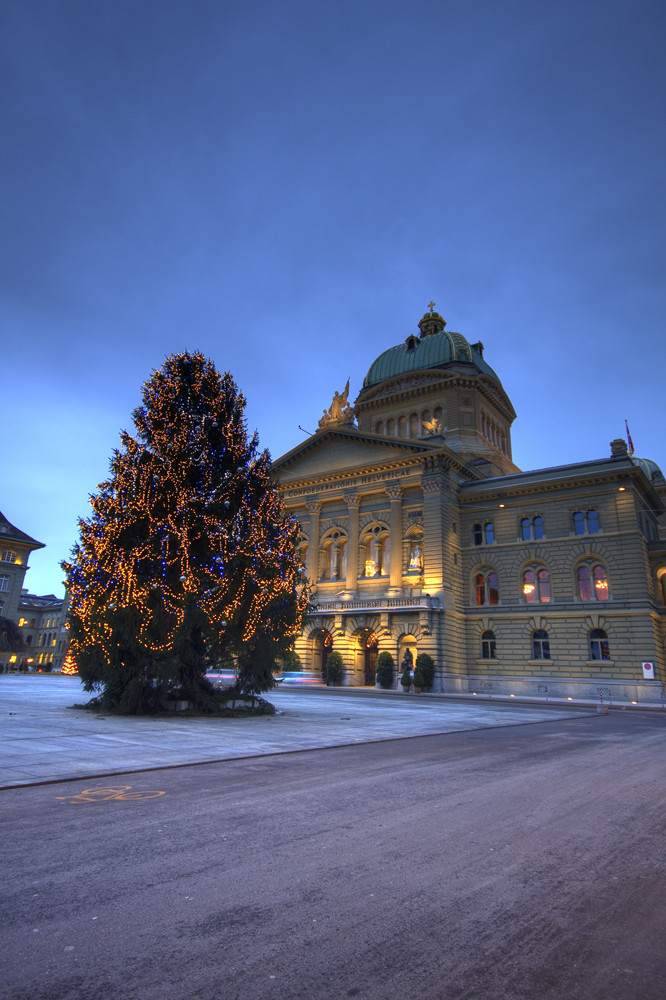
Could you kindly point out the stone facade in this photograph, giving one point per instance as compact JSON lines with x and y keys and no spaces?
{"x":15,"y":548}
{"x":420,"y":534}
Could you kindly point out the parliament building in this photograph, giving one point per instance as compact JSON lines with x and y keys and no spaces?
{"x":420,"y":534}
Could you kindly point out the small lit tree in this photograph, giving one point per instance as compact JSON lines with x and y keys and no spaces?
{"x":188,"y":557}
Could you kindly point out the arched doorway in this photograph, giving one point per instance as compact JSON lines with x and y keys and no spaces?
{"x":322,"y":646}
{"x":368,"y":643}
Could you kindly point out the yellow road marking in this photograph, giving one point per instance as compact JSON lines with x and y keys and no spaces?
{"x":109,"y":792}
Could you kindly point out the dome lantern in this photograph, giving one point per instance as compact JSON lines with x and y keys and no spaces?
{"x":431,"y":322}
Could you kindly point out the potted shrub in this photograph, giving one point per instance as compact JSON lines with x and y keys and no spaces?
{"x":406,"y":680}
{"x":426,"y":665}
{"x":385,"y":667}
{"x":419,"y":682}
{"x":334,"y":669}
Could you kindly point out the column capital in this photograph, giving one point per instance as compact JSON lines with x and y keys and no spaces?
{"x":314,"y":506}
{"x":353,"y":500}
{"x":394,"y":493}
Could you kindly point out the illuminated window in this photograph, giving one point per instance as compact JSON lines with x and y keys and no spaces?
{"x":23,"y":622}
{"x":586,"y":523}
{"x":376,"y":552}
{"x":536,"y":586}
{"x":488,"y":646}
{"x":592,"y":582}
{"x":599,"y":648}
{"x":4,"y":583}
{"x":486,"y":589}
{"x":540,"y":645}
{"x":9,"y":556}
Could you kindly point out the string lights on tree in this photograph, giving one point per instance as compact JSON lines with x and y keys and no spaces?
{"x":188,"y":559}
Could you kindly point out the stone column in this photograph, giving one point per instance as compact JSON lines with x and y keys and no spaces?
{"x":395,"y":566}
{"x":353,"y":502}
{"x":312,"y":561}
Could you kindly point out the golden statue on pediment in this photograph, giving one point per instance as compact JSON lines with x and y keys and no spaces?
{"x":340,"y":413}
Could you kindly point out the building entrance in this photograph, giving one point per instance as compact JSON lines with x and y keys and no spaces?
{"x":323,"y":644}
{"x":369,"y":640}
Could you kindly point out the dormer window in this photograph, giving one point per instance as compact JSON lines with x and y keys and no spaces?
{"x":412,"y":342}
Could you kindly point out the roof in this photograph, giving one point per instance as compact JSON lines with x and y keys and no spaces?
{"x":10,"y":533}
{"x":437,"y":350}
{"x":650,"y":468}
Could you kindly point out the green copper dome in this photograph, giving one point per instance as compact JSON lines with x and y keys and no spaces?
{"x":435,"y":348}
{"x":650,"y":468}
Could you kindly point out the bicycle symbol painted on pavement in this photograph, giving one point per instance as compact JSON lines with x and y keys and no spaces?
{"x":108,"y":793}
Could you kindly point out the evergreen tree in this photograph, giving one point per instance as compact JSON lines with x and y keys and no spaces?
{"x":188,"y":558}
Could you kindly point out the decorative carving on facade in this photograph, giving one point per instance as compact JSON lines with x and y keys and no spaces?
{"x":394,"y":492}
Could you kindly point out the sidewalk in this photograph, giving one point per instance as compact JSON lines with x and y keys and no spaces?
{"x":43,"y":739}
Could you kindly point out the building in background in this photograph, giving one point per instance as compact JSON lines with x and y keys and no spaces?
{"x":42,"y":624}
{"x":420,"y":534}
{"x":15,"y":548}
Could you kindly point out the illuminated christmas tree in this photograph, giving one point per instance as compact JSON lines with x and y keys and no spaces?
{"x":188,"y":560}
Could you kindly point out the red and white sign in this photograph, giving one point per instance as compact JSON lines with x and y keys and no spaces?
{"x":648,"y":671}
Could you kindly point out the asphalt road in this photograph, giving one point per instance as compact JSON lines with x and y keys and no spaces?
{"x":523,"y":862}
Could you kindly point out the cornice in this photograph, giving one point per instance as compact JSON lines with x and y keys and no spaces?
{"x":409,"y":471}
{"x":483,"y":490}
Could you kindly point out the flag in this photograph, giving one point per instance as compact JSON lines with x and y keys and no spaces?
{"x":630,"y":443}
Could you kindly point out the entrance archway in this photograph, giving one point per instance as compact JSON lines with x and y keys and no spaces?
{"x":321,"y":649}
{"x":368,"y":644}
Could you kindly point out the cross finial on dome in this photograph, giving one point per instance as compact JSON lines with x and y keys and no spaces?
{"x":431,"y":306}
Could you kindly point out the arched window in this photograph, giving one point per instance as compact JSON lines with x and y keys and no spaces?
{"x":531,"y":527}
{"x":488,"y":646}
{"x":536,"y":586}
{"x":9,"y":556}
{"x":599,"y":648}
{"x":486,"y":589}
{"x":483,"y":533}
{"x":592,"y":582}
{"x":579,"y":523}
{"x":334,"y":557}
{"x":586,"y":523}
{"x":379,"y":427}
{"x":376,"y":551}
{"x":540,"y":645}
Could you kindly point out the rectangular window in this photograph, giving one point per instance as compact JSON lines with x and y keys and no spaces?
{"x":4,"y":583}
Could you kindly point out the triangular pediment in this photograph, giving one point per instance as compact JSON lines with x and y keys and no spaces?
{"x":339,"y":450}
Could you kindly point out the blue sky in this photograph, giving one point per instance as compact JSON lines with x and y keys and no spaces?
{"x":286,"y":186}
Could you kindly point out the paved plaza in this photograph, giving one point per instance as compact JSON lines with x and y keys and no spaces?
{"x":45,"y":739}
